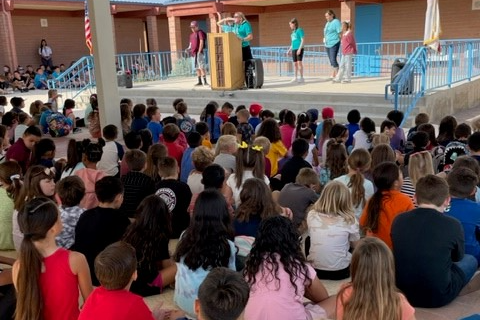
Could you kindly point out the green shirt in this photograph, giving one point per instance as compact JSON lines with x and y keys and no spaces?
{"x":297,"y":36}
{"x":243,"y":30}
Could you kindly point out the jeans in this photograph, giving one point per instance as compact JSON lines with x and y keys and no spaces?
{"x":468,"y":265}
{"x":345,"y":70}
{"x":332,"y":54}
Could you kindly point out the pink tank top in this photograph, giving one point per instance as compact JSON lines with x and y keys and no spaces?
{"x":59,"y":287}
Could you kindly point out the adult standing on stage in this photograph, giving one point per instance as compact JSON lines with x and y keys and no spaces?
{"x":226,"y":24}
{"x":196,"y":46}
{"x":296,"y":49}
{"x":45,"y":53}
{"x":331,"y":39}
{"x":243,"y":30}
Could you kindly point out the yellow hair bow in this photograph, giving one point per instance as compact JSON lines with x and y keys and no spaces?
{"x":243,"y":145}
{"x":257,"y":148}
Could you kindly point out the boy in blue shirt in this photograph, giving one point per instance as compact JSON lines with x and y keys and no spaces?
{"x":40,"y":80}
{"x":462,"y":184}
{"x":155,"y":127}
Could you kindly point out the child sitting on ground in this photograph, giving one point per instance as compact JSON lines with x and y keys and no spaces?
{"x":137,"y":185}
{"x":70,"y":190}
{"x":170,"y":137}
{"x":155,"y":126}
{"x":116,"y":269}
{"x":245,"y":131}
{"x":194,"y":141}
{"x":293,"y":165}
{"x":112,"y":152}
{"x":175,"y":193}
{"x":222,"y":295}
{"x":225,"y":151}
{"x":202,"y":157}
{"x":24,"y":120}
{"x":21,"y":150}
{"x":202,"y":128}
{"x":139,"y":121}
{"x":133,"y":141}
{"x":102,"y":225}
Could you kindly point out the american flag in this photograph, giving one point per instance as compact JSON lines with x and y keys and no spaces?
{"x":88,"y":33}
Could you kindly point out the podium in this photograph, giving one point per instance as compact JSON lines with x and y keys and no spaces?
{"x":226,"y":65}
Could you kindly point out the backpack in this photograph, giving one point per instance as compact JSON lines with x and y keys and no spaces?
{"x":58,"y":124}
{"x":453,"y":150}
{"x":438,"y":154}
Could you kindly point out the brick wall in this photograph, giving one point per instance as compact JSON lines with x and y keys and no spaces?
{"x":163,"y":35}
{"x":65,"y":35}
{"x":129,"y":33}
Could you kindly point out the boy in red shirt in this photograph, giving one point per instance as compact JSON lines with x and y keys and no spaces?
{"x":170,"y":135}
{"x":21,"y":150}
{"x":116,"y":269}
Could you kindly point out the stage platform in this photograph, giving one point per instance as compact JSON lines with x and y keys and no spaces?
{"x":277,"y":93}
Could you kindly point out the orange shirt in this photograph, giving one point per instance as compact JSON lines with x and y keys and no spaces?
{"x":394,"y":202}
{"x":207,"y":143}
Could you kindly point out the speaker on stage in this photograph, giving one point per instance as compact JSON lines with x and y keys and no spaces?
{"x":226,"y":66}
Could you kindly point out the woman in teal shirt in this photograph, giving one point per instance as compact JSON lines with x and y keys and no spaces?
{"x":243,"y":30}
{"x":296,"y":48}
{"x":332,"y":32}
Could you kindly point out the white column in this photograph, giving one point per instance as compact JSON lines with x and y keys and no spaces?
{"x":104,"y":54}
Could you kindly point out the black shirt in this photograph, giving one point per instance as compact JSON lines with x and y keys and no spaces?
{"x":291,"y":168}
{"x":425,"y":245}
{"x":137,"y":186}
{"x":177,"y":196}
{"x":96,"y":229}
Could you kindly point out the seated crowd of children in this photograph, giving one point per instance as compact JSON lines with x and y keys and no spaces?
{"x":262,"y":210}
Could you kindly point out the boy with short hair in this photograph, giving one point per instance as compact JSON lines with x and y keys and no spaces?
{"x":293,"y":165}
{"x":462,"y":183}
{"x":222,"y":295}
{"x":21,"y":150}
{"x":300,"y":195}
{"x":112,"y":152}
{"x":17,"y":104}
{"x":24,"y":120}
{"x":175,"y":193}
{"x":70,"y":190}
{"x":254,"y":119}
{"x":245,"y":131}
{"x":137,"y":185}
{"x":225,"y":112}
{"x":420,"y":142}
{"x":430,"y":265}
{"x":40,"y":79}
{"x":116,"y":269}
{"x":194,"y":140}
{"x":155,"y":127}
{"x":103,"y":225}
{"x":139,"y":122}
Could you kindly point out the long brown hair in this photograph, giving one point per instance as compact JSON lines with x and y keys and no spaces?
{"x":10,"y":175}
{"x":384,"y":176}
{"x":256,"y":199}
{"x":374,"y":294}
{"x":336,"y":159}
{"x":31,"y":185}
{"x":35,"y":220}
{"x":249,"y":158}
{"x":359,"y":162}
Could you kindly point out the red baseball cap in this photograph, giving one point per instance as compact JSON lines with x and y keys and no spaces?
{"x":327,"y":113}
{"x":255,"y":109}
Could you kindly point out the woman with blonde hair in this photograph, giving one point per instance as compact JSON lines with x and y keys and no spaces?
{"x":372,"y":293}
{"x":243,"y":30}
{"x":419,"y":166}
{"x":333,"y":230}
{"x":360,"y":188}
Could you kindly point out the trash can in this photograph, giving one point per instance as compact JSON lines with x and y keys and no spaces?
{"x":121,"y":79}
{"x":128,"y":81}
{"x":397,"y":67}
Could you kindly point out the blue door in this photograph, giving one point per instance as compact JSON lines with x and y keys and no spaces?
{"x":368,"y":29}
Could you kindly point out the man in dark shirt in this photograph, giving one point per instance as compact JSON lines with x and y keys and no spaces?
{"x":103,"y":225}
{"x":428,"y":246}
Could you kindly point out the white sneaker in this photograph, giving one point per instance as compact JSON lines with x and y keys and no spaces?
{"x":346,"y":81}
{"x":301,"y":80}
{"x":293,"y":80}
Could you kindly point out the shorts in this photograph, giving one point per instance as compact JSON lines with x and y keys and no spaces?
{"x":297,"y":57}
{"x":199,"y":61}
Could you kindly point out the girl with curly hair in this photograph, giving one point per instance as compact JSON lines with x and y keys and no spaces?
{"x":206,"y":244}
{"x":149,"y":234}
{"x":279,"y":276}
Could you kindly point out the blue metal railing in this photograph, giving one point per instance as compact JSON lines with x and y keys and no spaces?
{"x":427,"y":70}
{"x":79,"y":77}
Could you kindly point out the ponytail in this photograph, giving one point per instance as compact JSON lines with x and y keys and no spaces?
{"x":249,"y":157}
{"x":358,"y":190}
{"x":35,"y":220}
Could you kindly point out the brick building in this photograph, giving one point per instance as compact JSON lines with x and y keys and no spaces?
{"x":163,"y":25}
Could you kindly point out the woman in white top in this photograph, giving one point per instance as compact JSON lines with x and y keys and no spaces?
{"x":45,"y":53}
{"x":360,"y":188}
{"x":250,"y":163}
